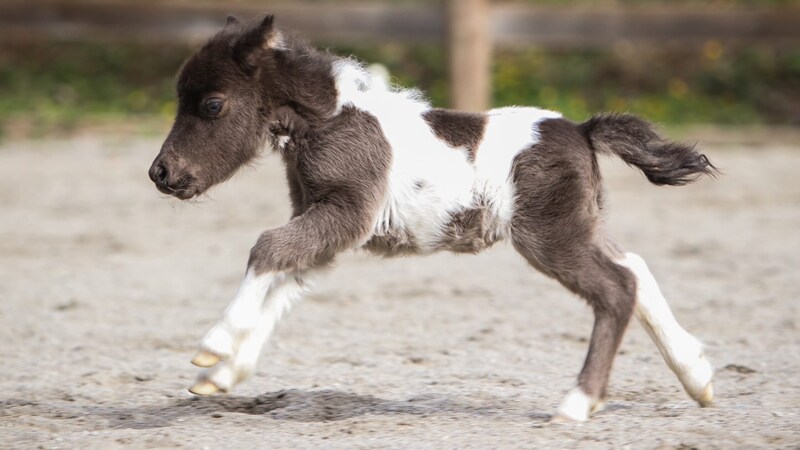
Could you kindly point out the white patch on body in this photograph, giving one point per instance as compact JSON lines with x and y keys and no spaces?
{"x":682,"y":352}
{"x":380,"y":74}
{"x":430,"y":181}
{"x":247,"y":324}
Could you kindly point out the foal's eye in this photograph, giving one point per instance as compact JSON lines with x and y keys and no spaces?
{"x":212,"y":106}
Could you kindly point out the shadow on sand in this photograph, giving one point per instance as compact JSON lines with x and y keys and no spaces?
{"x":292,"y":404}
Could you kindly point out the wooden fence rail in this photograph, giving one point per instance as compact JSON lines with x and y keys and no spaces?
{"x":510,"y":24}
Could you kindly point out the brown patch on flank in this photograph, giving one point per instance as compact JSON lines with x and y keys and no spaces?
{"x":457,"y":128}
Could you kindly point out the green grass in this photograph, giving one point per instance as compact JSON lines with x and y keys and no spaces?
{"x":56,"y":86}
{"x":61,"y":85}
{"x":708,"y":85}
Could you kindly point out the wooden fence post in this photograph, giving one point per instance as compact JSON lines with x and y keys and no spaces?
{"x":469,"y":49}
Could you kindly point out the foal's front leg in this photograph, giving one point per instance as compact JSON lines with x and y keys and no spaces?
{"x":274,"y":280}
{"x":232,"y":347}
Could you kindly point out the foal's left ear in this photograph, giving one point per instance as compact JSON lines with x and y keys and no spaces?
{"x":256,"y":41}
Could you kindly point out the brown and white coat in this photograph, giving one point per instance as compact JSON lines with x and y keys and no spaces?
{"x":376,"y":168}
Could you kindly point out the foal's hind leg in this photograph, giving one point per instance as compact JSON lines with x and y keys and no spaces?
{"x":681,"y":351}
{"x":556,"y":227}
{"x":610,"y":289}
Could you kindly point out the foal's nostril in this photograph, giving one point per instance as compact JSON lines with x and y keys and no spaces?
{"x":158,"y":173}
{"x":161,"y":174}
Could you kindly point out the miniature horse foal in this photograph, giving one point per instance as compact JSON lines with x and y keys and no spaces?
{"x":376,"y":168}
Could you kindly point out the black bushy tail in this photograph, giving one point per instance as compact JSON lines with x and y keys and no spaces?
{"x":633,"y":140}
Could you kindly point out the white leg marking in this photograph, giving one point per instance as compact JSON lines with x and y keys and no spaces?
{"x":682,"y":352}
{"x":241,"y":316}
{"x":577,"y":406}
{"x":249,"y":334}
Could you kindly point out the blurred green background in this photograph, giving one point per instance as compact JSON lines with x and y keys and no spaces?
{"x":55,"y":86}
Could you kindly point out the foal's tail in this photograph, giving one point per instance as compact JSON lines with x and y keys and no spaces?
{"x":633,"y":140}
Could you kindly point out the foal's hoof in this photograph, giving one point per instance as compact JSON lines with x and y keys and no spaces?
{"x":707,"y":396}
{"x":577,"y":407}
{"x":205,"y":359}
{"x":204,"y":387}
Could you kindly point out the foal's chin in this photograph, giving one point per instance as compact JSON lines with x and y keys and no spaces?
{"x":186,"y":193}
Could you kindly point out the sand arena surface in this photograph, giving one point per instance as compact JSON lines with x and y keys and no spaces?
{"x":106,"y":288}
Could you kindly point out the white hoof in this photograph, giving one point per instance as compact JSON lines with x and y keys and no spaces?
{"x":707,"y":396}
{"x":204,"y":388}
{"x":205,"y":359}
{"x":696,"y":379}
{"x":221,"y":378}
{"x":576,"y":407}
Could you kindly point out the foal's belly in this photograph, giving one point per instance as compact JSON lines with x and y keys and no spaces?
{"x":468,"y":229}
{"x":471,"y":230}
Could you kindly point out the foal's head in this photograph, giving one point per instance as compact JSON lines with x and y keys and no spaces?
{"x":226,"y":92}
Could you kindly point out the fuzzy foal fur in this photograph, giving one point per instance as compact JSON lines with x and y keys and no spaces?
{"x":376,"y":168}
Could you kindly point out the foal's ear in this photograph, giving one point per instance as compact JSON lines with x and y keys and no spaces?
{"x":256,"y":41}
{"x":231,"y":21}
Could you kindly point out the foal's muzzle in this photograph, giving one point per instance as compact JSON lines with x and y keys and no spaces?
{"x":170,"y":181}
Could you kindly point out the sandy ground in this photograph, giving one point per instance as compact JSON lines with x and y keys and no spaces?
{"x":106,"y":287}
